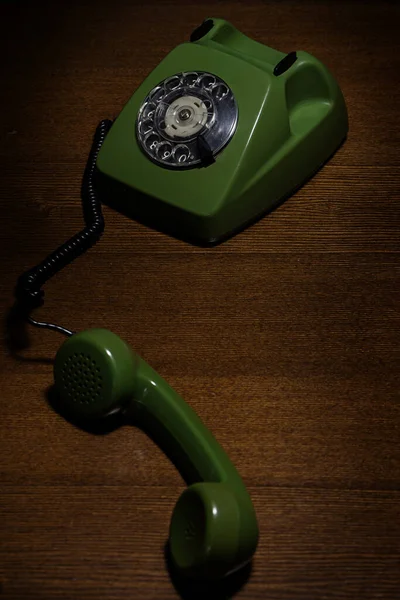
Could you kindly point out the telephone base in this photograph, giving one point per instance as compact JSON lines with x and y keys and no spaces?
{"x":266,"y":122}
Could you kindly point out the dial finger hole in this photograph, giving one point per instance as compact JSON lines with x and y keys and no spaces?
{"x":190,"y":78}
{"x":181,"y":153}
{"x":152,"y":141}
{"x":219,"y":91}
{"x":145,"y":127}
{"x":157,"y":94}
{"x":172,"y":83}
{"x":164,"y":151}
{"x":207,"y":81}
{"x":149,"y":111}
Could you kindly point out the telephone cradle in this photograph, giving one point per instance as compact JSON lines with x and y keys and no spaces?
{"x":221,"y":132}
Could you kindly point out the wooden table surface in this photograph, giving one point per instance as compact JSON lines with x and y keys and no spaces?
{"x":285,"y":339}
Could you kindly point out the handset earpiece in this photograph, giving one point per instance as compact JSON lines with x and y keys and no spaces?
{"x":213,"y":529}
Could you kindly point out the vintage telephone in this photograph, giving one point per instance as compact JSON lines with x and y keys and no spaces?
{"x":218,"y":134}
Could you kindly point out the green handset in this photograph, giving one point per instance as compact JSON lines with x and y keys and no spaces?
{"x":213,"y":529}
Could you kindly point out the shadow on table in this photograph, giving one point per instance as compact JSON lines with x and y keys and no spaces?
{"x":93,"y":426}
{"x":194,"y":589}
{"x":16,"y":337}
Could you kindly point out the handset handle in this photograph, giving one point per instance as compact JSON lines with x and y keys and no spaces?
{"x":213,"y":529}
{"x":163,"y":413}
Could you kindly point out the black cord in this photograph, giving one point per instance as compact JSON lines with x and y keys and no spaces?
{"x":28,"y":292}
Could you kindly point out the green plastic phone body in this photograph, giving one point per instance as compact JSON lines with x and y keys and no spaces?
{"x":214,"y":528}
{"x":289,"y":124}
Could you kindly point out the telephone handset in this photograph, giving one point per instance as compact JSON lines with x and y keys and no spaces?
{"x":213,"y":529}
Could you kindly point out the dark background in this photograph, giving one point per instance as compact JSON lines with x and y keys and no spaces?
{"x":285,"y":339}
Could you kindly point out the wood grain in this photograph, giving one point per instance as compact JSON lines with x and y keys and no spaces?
{"x":87,"y":542}
{"x":285,"y":339}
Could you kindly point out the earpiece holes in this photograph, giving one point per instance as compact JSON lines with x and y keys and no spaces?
{"x":81,"y":378}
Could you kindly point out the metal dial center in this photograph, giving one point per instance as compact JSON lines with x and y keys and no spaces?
{"x":184,"y":114}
